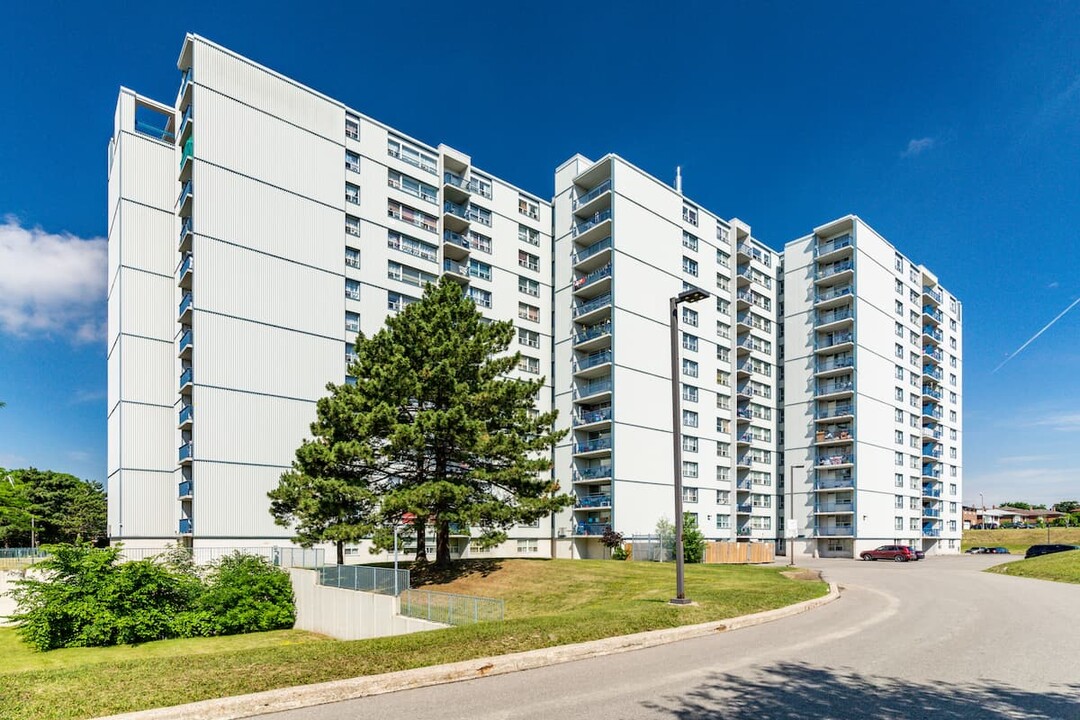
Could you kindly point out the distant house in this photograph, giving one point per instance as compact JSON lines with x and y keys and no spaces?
{"x":1018,"y":515}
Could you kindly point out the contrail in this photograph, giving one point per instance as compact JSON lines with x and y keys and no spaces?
{"x":1036,"y":335}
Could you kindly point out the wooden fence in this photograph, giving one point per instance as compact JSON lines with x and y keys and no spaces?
{"x":739,"y":553}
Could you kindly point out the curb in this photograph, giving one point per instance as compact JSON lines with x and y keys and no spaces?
{"x":242,"y":706}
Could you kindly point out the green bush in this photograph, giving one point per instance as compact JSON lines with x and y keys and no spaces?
{"x":693,"y":540}
{"x":89,"y":597}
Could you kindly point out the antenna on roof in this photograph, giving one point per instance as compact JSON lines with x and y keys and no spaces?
{"x":678,"y":179}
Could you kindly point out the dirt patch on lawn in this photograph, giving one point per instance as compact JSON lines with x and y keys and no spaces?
{"x":802,"y":574}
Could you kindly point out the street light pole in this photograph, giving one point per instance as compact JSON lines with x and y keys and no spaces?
{"x":692,"y":295}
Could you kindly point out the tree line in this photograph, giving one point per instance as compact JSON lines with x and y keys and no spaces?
{"x":41,"y":506}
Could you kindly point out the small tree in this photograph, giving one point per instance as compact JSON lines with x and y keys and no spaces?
{"x":321,"y":508}
{"x":693,"y":540}
{"x":665,"y":530}
{"x":612,"y":540}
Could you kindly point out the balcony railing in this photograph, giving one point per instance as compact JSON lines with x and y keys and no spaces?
{"x":594,"y":276}
{"x":839,"y":507}
{"x":593,"y":388}
{"x":456,"y":239}
{"x":592,"y":528}
{"x":455,"y":209}
{"x":835,"y":387}
{"x":187,"y":376}
{"x":931,"y":411}
{"x":186,"y":340}
{"x":933,"y":312}
{"x":600,"y":217}
{"x":187,"y":413}
{"x":586,"y":253}
{"x":833,"y":340}
{"x":931,"y":532}
{"x":185,"y":303}
{"x":931,"y":451}
{"x":592,"y":194}
{"x":585,"y":308}
{"x":184,"y":489}
{"x":931,"y":473}
{"x":929,"y":491}
{"x":835,"y":411}
{"x":834,"y":316}
{"x":189,"y":150}
{"x":184,"y":192}
{"x":833,"y":531}
{"x":594,"y":500}
{"x":835,"y":244}
{"x":932,"y":293}
{"x":744,"y":508}
{"x":593,"y":416}
{"x":933,"y":353}
{"x":597,"y":472}
{"x":928,"y":512}
{"x":834,"y":364}
{"x":593,"y":331}
{"x":455,"y":267}
{"x":840,"y":483}
{"x":593,"y":360}
{"x":834,"y":269}
{"x":186,"y":450}
{"x":933,"y":332}
{"x":933,"y":372}
{"x":185,"y":526}
{"x":837,"y":459}
{"x":832,"y":293}
{"x":931,"y":392}
{"x":603,"y":443}
{"x":187,"y":264}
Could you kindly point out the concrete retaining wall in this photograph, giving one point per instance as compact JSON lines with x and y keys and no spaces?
{"x":349,"y":614}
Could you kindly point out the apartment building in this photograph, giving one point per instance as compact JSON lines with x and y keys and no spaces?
{"x":240,"y":277}
{"x":872,"y":395}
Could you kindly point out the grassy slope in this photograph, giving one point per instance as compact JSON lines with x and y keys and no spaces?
{"x":548,"y":603}
{"x":1018,"y":541}
{"x":1059,"y":567}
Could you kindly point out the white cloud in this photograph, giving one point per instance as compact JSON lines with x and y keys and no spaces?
{"x":51,"y":284}
{"x":1062,"y":421}
{"x":917,"y":146}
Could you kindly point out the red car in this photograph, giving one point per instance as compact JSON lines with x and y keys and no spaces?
{"x":896,"y":553}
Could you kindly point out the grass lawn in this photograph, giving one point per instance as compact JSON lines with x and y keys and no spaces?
{"x":549,"y":602}
{"x":1059,"y":567}
{"x":1018,"y":541}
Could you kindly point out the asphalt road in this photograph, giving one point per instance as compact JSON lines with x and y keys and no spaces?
{"x":933,"y":639}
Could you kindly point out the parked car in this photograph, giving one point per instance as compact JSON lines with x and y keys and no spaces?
{"x":896,"y":553}
{"x":919,"y":554}
{"x":1037,"y":550}
{"x":975,"y":550}
{"x":996,"y":550}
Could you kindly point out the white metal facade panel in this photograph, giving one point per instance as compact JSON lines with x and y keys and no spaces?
{"x":233,"y":353}
{"x":146,"y":368}
{"x":113,"y":442}
{"x":147,"y":502}
{"x":230,"y":501}
{"x":253,"y":214}
{"x":147,"y":305}
{"x":147,"y":239}
{"x":248,"y":428}
{"x":148,"y":172}
{"x":147,"y":437}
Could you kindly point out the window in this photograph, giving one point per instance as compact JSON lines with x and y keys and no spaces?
{"x":529,"y":338}
{"x":899,"y":288}
{"x":723,"y":306}
{"x":723,"y":329}
{"x":689,"y":367}
{"x":899,"y":329}
{"x":898,"y":459}
{"x":952,"y":343}
{"x":526,"y":546}
{"x":898,"y":480}
{"x":913,"y":317}
{"x":411,"y":245}
{"x":352,"y":225}
{"x":721,"y":282}
{"x":723,"y":474}
{"x":412,"y":186}
{"x":352,"y":257}
{"x":689,"y":444}
{"x":723,"y":449}
{"x":952,"y":324}
{"x":689,"y":418}
{"x":481,"y":184}
{"x":528,"y":286}
{"x":898,"y":261}
{"x":723,"y":522}
{"x":722,"y":234}
{"x":529,"y":235}
{"x":723,"y":259}
{"x":690,"y":317}
{"x":898,"y":371}
{"x":898,"y":523}
{"x":898,"y":351}
{"x":898,"y":394}
{"x":899,"y":437}
{"x":479,"y":269}
{"x":722,"y":353}
{"x":350,"y":353}
{"x":898,"y":501}
{"x":952,"y":416}
{"x":952,"y":361}
{"x":913,"y":524}
{"x":952,"y":433}
{"x":690,"y":214}
{"x":352,"y":127}
{"x":352,"y":194}
{"x":689,"y":342}
{"x":900,"y":311}
{"x":952,"y":378}
{"x":411,"y":215}
{"x":409,"y":275}
{"x":689,"y":469}
{"x":479,"y":242}
{"x":898,"y":415}
{"x":479,"y":214}
{"x":952,"y":488}
{"x":528,"y":208}
{"x":528,"y":260}
{"x":689,"y":266}
{"x":952,"y":453}
{"x":913,"y":296}
{"x":397,"y":302}
{"x":952,"y":471}
{"x":352,"y":289}
{"x":407,"y":153}
{"x":528,"y":312}
{"x":689,"y":241}
{"x":352,"y":322}
{"x":689,"y":393}
{"x":529,"y":365}
{"x":952,"y":508}
{"x":352,"y":161}
{"x":481,"y":298}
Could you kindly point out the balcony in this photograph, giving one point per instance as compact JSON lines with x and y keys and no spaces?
{"x":834,"y":508}
{"x":592,"y":417}
{"x":185,"y":453}
{"x":931,"y":491}
{"x":456,"y":217}
{"x":594,"y":283}
{"x":187,"y":378}
{"x":593,"y":201}
{"x":930,"y":512}
{"x":183,"y":201}
{"x":185,"y":85}
{"x":931,"y":392}
{"x":832,"y":297}
{"x":186,"y":416}
{"x":931,"y":531}
{"x":932,"y":431}
{"x":929,"y":471}
{"x":835,"y":341}
{"x":933,"y":333}
{"x":842,"y":410}
{"x":456,"y":188}
{"x":591,"y":529}
{"x":187,"y":122}
{"x":593,"y":310}
{"x":593,"y":337}
{"x":833,"y":435}
{"x":743,"y":509}
{"x":185,"y":344}
{"x":456,"y":270}
{"x":932,"y":314}
{"x":834,"y":271}
{"x":825,"y":366}
{"x":933,"y":353}
{"x":187,"y":233}
{"x":839,"y":482}
{"x":596,"y":227}
{"x":594,"y":447}
{"x":933,"y":294}
{"x":593,"y":500}
{"x":743,"y":485}
{"x":184,"y":311}
{"x":183,"y":492}
{"x":833,"y":248}
{"x":932,"y":450}
{"x":841,"y":316}
{"x":841,"y":387}
{"x":455,"y":245}
{"x":185,"y":526}
{"x":185,"y":155}
{"x":593,"y":256}
{"x":934,"y":372}
{"x":932,"y":411}
{"x":744,"y":438}
{"x":594,"y":473}
{"x":186,"y":269}
{"x":835,"y":531}
{"x":593,"y":365}
{"x":592,"y":391}
{"x":835,"y":460}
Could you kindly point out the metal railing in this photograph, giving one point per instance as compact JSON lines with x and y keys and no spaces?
{"x":184,"y":192}
{"x":186,"y":451}
{"x":456,"y":238}
{"x":588,"y":252}
{"x":834,"y":459}
{"x":592,"y":528}
{"x":834,"y":292}
{"x":933,"y":312}
{"x":593,"y":331}
{"x":834,"y":531}
{"x":600,"y":358}
{"x":185,"y":526}
{"x":930,"y":292}
{"x":835,"y":484}
{"x":834,"y":244}
{"x":185,"y":303}
{"x":836,"y":411}
{"x":834,"y":269}
{"x":592,"y":416}
{"x":596,"y":304}
{"x":594,"y":500}
{"x":832,"y":316}
{"x":835,"y":387}
{"x":592,"y":194}
{"x":593,"y":388}
{"x":834,"y":507}
{"x":933,"y":332}
{"x":594,"y":276}
{"x":385,"y":581}
{"x":833,"y":340}
{"x":595,"y":473}
{"x":186,"y":413}
{"x":834,"y":364}
{"x":186,"y":340}
{"x":450,"y":609}
{"x":187,"y":376}
{"x":593,"y":222}
{"x":184,"y":489}
{"x":593,"y":445}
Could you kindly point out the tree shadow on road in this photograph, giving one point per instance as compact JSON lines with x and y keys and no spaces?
{"x":797,"y":691}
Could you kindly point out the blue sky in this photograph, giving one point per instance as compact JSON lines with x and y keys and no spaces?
{"x":953,"y":128}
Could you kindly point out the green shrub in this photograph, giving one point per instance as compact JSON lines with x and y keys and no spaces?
{"x":245,"y":593}
{"x":693,"y":540}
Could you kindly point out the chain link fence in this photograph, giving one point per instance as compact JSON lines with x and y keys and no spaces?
{"x":451,"y":609}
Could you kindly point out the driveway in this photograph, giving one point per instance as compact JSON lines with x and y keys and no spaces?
{"x":933,"y":639}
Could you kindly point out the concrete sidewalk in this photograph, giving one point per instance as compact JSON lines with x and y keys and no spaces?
{"x":328,"y":692}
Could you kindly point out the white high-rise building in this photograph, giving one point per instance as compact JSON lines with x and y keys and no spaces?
{"x":872,"y":395}
{"x":255,"y":226}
